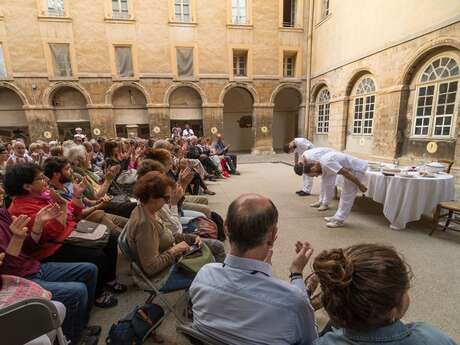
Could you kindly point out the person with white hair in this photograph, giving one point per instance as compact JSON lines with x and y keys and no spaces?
{"x":19,"y":155}
{"x":299,"y":146}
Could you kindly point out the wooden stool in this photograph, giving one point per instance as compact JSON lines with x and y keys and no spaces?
{"x":453,"y":208}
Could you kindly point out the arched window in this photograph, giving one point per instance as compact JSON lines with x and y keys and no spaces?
{"x":436,"y":98}
{"x":364,"y":106}
{"x":323,"y":105}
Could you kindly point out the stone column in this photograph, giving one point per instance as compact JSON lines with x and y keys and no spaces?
{"x":42,"y":123}
{"x":310,"y":129}
{"x":159,"y":121}
{"x":213,"y":118}
{"x":262,"y":128}
{"x":338,"y":123}
{"x":102,"y":120}
{"x":302,"y":120}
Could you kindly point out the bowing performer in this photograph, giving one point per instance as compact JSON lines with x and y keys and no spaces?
{"x":299,"y":146}
{"x":354,"y":172}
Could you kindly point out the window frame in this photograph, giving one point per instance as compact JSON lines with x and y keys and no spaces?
{"x":6,"y":61}
{"x":45,"y":15}
{"x":436,"y":83}
{"x":326,"y":106}
{"x":113,"y":59}
{"x":364,"y":97}
{"x":196,"y":66}
{"x":115,"y":46}
{"x":249,"y":70}
{"x":325,"y":9}
{"x":118,"y":16}
{"x":50,"y":60}
{"x":110,"y":18}
{"x":248,"y":7}
{"x":175,"y":20}
{"x":299,"y":16}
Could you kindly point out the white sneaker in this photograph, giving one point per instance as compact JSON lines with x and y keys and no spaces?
{"x":316,"y":204}
{"x":323,"y":207}
{"x":329,"y":219}
{"x":334,"y":223}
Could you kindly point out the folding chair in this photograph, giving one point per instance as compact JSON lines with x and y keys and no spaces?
{"x":29,"y":319}
{"x":152,"y":289}
{"x":196,"y":336}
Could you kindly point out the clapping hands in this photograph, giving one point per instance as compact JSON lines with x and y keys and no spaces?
{"x":304,"y":251}
{"x":19,"y":226}
{"x":47,"y":213}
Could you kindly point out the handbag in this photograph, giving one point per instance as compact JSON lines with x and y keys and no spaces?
{"x":192,"y":263}
{"x":89,"y":234}
{"x":136,"y":325}
{"x":127,"y":177}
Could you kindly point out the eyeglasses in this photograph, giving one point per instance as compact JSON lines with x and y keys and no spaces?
{"x":166,"y":198}
{"x":41,"y":178}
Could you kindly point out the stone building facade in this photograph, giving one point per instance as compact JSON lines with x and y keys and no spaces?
{"x":378,"y":79}
{"x":386,"y":79}
{"x":118,"y":67}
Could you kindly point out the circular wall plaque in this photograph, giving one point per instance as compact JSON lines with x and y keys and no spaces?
{"x":156,"y":130}
{"x":362,"y":141}
{"x":47,"y":135}
{"x":96,"y":131}
{"x":264,"y":129}
{"x":214,"y":130}
{"x":432,"y":147}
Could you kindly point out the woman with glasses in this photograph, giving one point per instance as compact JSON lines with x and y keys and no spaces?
{"x":28,"y":187}
{"x":152,"y":243}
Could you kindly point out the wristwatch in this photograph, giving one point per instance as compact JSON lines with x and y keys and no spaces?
{"x":295,"y":275}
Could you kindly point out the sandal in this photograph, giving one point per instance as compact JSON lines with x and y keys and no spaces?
{"x":108,"y":301}
{"x":116,"y":287}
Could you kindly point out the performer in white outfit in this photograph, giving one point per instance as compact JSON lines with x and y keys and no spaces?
{"x":312,"y":156}
{"x":188,"y":132}
{"x":299,"y":146}
{"x":354,"y":172}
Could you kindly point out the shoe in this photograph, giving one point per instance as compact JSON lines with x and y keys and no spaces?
{"x":323,"y":207}
{"x":108,"y":301}
{"x":209,"y":192}
{"x":316,"y":204}
{"x":302,"y":193}
{"x":335,"y":224}
{"x":235,"y":173}
{"x":329,"y":219}
{"x":299,"y":191}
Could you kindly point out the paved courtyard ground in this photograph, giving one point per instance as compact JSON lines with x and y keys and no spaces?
{"x":435,"y":261}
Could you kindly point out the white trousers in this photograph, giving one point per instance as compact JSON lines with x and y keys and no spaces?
{"x":307,"y":183}
{"x":347,"y":197}
{"x":327,"y":189}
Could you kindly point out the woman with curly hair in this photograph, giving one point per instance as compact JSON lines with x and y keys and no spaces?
{"x":365,"y":293}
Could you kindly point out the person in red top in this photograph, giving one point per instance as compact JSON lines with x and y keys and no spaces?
{"x":28,"y":187}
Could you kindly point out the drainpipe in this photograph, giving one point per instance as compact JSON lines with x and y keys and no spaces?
{"x":311,"y":12}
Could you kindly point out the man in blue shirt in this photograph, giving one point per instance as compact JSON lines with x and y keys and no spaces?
{"x":240,"y":302}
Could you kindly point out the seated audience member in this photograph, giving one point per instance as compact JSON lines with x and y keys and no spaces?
{"x":365,"y":293}
{"x":72,"y":284}
{"x":114,"y":156}
{"x":240,"y":302}
{"x":28,"y":187}
{"x":155,"y":246}
{"x":60,"y":175}
{"x":194,"y":151}
{"x":19,"y":155}
{"x":56,"y":151}
{"x":36,"y":153}
{"x":169,"y":213}
{"x":193,"y":203}
{"x":98,"y":189}
{"x":3,"y":159}
{"x":222,"y":150}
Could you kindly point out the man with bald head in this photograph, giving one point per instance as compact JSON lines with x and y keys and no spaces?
{"x":240,"y":302}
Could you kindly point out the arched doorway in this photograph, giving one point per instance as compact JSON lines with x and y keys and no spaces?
{"x":130,"y":113}
{"x":186,"y":107}
{"x":70,"y":109}
{"x":285,"y":117}
{"x":13,"y":121}
{"x":238,"y":119}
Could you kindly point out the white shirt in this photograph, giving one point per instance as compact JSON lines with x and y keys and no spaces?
{"x":187,"y":133}
{"x":332,"y":162}
{"x":316,"y":153}
{"x":302,"y":144}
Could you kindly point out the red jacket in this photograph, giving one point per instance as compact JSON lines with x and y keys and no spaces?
{"x":54,"y":233}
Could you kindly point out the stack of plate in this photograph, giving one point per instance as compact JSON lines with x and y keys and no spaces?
{"x":390,"y":171}
{"x":435,"y":167}
{"x":374,"y":166}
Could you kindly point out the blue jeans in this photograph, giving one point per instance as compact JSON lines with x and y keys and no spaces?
{"x":74,"y":285}
{"x":177,"y":280}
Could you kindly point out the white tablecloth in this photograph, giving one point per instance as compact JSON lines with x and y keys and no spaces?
{"x":407,"y":199}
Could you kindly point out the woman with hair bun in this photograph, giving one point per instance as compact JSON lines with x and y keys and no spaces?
{"x":365,"y":293}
